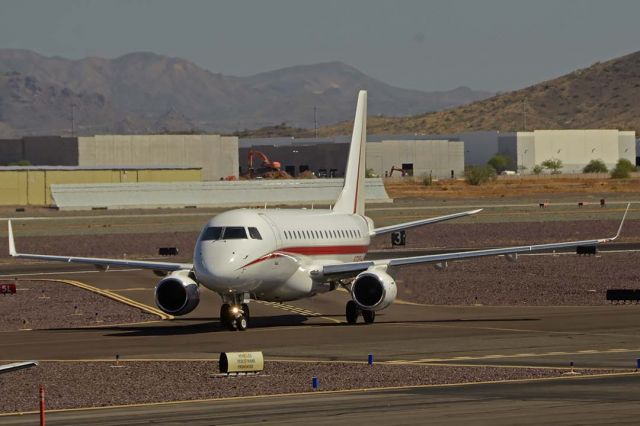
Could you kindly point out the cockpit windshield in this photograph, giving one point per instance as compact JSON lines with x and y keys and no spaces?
{"x":234,"y":233}
{"x":214,"y":233}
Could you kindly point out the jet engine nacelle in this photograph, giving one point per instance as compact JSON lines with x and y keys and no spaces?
{"x":177,"y":294}
{"x":373,"y":290}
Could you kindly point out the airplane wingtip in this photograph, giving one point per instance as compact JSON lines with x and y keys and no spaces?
{"x":624,"y":216}
{"x":12,"y":244}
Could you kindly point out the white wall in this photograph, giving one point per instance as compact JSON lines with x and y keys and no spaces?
{"x":575,"y":148}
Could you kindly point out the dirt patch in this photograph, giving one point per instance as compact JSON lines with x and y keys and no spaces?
{"x":94,"y":384}
{"x":511,"y":187}
{"x":47,"y":305}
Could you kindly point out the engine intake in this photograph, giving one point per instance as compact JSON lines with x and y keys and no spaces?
{"x":374,"y":290}
{"x":177,"y":294}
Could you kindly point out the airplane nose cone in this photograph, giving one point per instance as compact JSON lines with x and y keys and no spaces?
{"x":219,"y":262}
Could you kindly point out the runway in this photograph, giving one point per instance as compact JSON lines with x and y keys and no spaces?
{"x":314,"y":329}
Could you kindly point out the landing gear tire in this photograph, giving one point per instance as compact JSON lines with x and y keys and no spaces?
{"x":225,"y":315}
{"x":369,"y":316}
{"x":352,"y":312}
{"x":245,"y":310}
{"x":241,"y":323}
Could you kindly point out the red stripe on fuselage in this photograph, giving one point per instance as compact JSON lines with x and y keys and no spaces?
{"x":325,"y":250}
{"x":310,"y":251}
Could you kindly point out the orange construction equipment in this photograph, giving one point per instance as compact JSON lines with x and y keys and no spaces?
{"x":397,"y":169}
{"x":268,"y":168}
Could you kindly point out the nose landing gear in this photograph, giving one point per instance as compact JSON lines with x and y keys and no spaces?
{"x":235,"y":316}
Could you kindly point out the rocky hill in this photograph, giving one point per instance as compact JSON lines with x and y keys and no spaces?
{"x":145,"y":92}
{"x":604,"y":95}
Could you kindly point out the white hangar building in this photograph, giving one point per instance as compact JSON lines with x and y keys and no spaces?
{"x":575,"y":148}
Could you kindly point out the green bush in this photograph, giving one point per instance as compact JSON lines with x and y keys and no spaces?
{"x":537,"y":169}
{"x":370,"y":173}
{"x":623,"y":169}
{"x":553,"y":164}
{"x":20,"y":163}
{"x":427,"y":179}
{"x":499,"y":162}
{"x":595,"y":166}
{"x":477,"y":175}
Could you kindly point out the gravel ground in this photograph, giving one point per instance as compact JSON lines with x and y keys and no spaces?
{"x":45,"y":304}
{"x":532,"y":280}
{"x":76,"y":384}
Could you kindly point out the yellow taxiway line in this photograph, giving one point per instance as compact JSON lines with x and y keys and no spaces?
{"x":297,"y":310}
{"x":117,"y":297}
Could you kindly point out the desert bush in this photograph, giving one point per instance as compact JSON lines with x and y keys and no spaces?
{"x":427,"y":179}
{"x":537,"y":169}
{"x":499,"y":162}
{"x":553,"y":165}
{"x":370,"y":173}
{"x":595,"y":166}
{"x":623,"y":169}
{"x":477,"y":175}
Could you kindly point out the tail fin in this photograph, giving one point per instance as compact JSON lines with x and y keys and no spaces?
{"x":351,"y":199}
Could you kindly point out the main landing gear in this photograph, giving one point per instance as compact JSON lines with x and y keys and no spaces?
{"x":353,"y":312}
{"x":235,"y":317}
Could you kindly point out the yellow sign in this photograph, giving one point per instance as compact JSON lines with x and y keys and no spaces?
{"x":241,"y":362}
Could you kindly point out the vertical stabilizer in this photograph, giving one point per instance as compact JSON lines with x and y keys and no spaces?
{"x":351,"y":199}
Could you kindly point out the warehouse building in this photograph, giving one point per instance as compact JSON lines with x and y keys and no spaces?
{"x":328,"y":157}
{"x":216,"y":155}
{"x":575,"y":148}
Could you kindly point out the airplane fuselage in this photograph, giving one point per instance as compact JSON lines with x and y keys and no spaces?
{"x":271,"y":253}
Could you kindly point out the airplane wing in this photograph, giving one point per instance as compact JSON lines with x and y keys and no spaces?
{"x":158,"y":266}
{"x":406,"y":225}
{"x":351,"y":269}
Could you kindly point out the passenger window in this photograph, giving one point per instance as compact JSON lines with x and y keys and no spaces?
{"x":212,"y":233}
{"x":254,"y":233}
{"x":235,"y":233}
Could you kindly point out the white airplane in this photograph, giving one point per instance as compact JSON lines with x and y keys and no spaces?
{"x":288,"y":254}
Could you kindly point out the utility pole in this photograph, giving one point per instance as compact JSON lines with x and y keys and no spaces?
{"x":73,"y":119}
{"x":315,"y":122}
{"x":524,"y":114}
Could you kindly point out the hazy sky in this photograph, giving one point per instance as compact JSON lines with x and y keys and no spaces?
{"x":428,"y":45}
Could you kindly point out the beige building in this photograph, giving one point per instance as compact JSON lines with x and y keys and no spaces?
{"x":216,"y":155}
{"x":575,"y":148}
{"x":20,"y":186}
{"x":438,"y":158}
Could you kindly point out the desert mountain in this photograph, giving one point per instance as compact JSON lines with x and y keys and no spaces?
{"x":604,"y":95}
{"x":145,"y":92}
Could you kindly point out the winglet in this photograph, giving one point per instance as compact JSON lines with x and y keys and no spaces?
{"x":12,"y":244}
{"x":606,"y":240}
{"x":622,"y":221}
